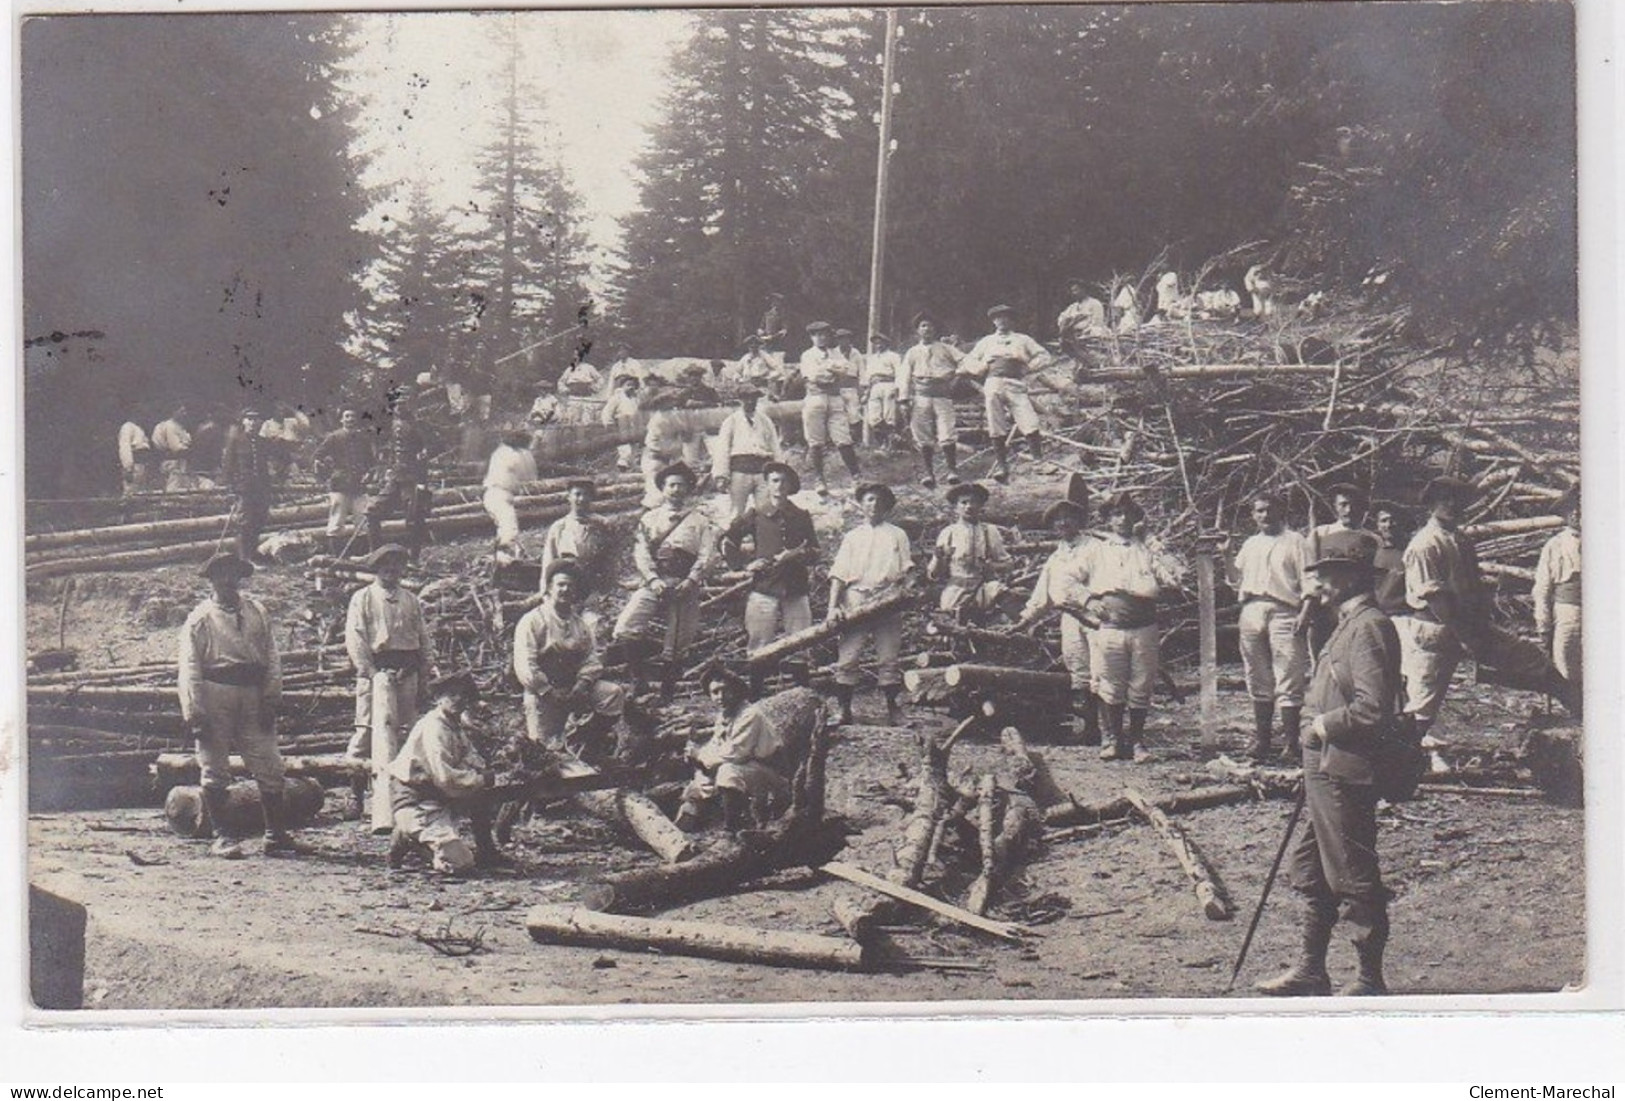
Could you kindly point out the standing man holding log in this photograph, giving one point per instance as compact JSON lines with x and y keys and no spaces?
{"x":969,"y":558}
{"x":823,"y":410}
{"x":230,"y":685}
{"x":925,"y":397}
{"x":1441,"y":591}
{"x":346,"y":455}
{"x":745,"y":444}
{"x":404,"y":480}
{"x":511,"y":469}
{"x":1063,"y":584}
{"x":580,"y":536}
{"x":673,"y":550}
{"x":1353,"y":697}
{"x":1557,"y":600}
{"x":388,"y":642}
{"x":775,"y":541}
{"x":874,"y":562}
{"x":245,"y":465}
{"x":1006,"y":357}
{"x":555,"y":657}
{"x":1270,"y":577}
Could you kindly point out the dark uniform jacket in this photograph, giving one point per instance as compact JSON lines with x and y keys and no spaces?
{"x":348,"y":455}
{"x":1356,"y":689}
{"x":768,"y":536}
{"x":245,"y":464}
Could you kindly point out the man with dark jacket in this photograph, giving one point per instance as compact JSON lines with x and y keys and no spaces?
{"x":1355,"y":698}
{"x":245,"y":465}
{"x":346,"y":456}
{"x":404,"y":484}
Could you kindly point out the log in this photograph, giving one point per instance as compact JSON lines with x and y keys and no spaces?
{"x":926,"y":686}
{"x":573,"y":925}
{"x":328,"y":770}
{"x":1556,"y":759}
{"x":1005,"y":679}
{"x":1513,"y":527}
{"x":1215,"y":904}
{"x":1031,"y":771}
{"x":1017,"y":828}
{"x":1213,"y":372}
{"x":634,"y":810}
{"x":183,"y":806}
{"x":1075,"y":813}
{"x":782,"y":648}
{"x":1500,"y":569}
{"x":1005,"y":930}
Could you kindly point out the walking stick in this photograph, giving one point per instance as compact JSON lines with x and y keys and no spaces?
{"x":1269,"y":881}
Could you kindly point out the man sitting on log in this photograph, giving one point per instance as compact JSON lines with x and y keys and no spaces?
{"x":581,"y":536}
{"x":346,"y":455}
{"x":673,"y":550}
{"x":776,"y":542}
{"x":1063,"y":584}
{"x":1007,"y":357}
{"x":230,"y":685}
{"x":437,"y":769}
{"x":925,"y":398}
{"x":1334,"y":865}
{"x":1557,"y":600}
{"x":1125,"y":580}
{"x":512,"y":468}
{"x":555,"y":657}
{"x":969,"y":557}
{"x":874,"y":562}
{"x":735,"y":765}
{"x":1271,"y":580}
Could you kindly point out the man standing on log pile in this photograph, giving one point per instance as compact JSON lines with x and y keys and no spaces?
{"x":1557,"y":601}
{"x":556,"y":658}
{"x":245,"y":465}
{"x":734,"y":766}
{"x":745,"y":444}
{"x":621,"y":409}
{"x":1441,"y":591}
{"x":823,"y":410}
{"x":1125,"y":580}
{"x":969,"y":557}
{"x":173,"y":445}
{"x":389,"y":645}
{"x":673,"y":550}
{"x":404,"y":482}
{"x":873,"y":563}
{"x":1270,"y":577}
{"x":1349,"y":505}
{"x":925,"y":398}
{"x":230,"y":685}
{"x":436,"y":769}
{"x":512,"y":468}
{"x":347,"y":456}
{"x":1353,"y":696}
{"x":134,"y":457}
{"x":1063,"y":584}
{"x":851,"y":375}
{"x":879,"y":386}
{"x":581,"y":537}
{"x":1006,"y":357}
{"x":775,"y":541}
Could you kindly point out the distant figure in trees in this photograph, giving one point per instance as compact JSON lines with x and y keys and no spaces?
{"x":134,"y":457}
{"x":173,"y":445}
{"x":1126,"y":309}
{"x":346,"y":456}
{"x":579,"y":388}
{"x":773,"y":321}
{"x":621,"y":409}
{"x":403,"y":480}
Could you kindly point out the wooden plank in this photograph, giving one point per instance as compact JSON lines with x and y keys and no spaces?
{"x":1005,"y":930}
{"x":1208,"y":630}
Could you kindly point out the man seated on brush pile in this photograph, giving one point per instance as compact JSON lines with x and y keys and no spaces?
{"x":438,"y":772}
{"x":737,"y":766}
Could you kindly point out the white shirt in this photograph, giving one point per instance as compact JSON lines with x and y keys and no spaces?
{"x":926,"y":362}
{"x":1118,"y":565}
{"x":873,"y":559}
{"x":881,"y":367}
{"x":213,"y":638}
{"x":510,"y":469}
{"x":1085,"y":317}
{"x":1272,"y":566}
{"x":741,"y":435}
{"x":822,"y":366}
{"x":170,"y":436}
{"x":1063,"y":580}
{"x":1559,"y":562}
{"x":439,"y":753}
{"x":381,"y":620}
{"x":619,"y":406}
{"x":1012,"y":345}
{"x":130,"y":440}
{"x":664,"y":527}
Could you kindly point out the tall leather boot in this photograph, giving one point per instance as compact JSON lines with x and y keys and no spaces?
{"x":1136,"y":729}
{"x":815,"y":456}
{"x":1035,"y":444}
{"x":928,"y":459}
{"x":278,"y":842}
{"x":1120,"y":749}
{"x":849,"y":456}
{"x":1086,"y":708}
{"x":1370,"y":921}
{"x":894,"y":710}
{"x":1291,"y":725}
{"x":1263,"y":716}
{"x":843,"y":696}
{"x":950,"y":455}
{"x":1001,"y":461}
{"x":1307,"y":977}
{"x":736,"y":814}
{"x":487,"y":854}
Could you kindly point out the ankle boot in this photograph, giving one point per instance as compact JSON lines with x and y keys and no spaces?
{"x":1136,"y":729}
{"x":1087,"y":710}
{"x":1001,"y":462}
{"x":843,"y":695}
{"x":1370,"y":938}
{"x":1307,"y":977}
{"x":278,"y":841}
{"x":1120,"y":749}
{"x":1263,"y":716}
{"x":927,"y":459}
{"x":1291,"y":724}
{"x":849,"y":456}
{"x":214,"y":815}
{"x":1035,"y":443}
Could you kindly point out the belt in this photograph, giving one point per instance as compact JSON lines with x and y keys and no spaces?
{"x":746,"y":464}
{"x":934,"y":387}
{"x":398,"y":660}
{"x":1007,"y":368}
{"x":1567,"y":592}
{"x":831,"y":388}
{"x":1248,"y":598}
{"x":245,"y":675}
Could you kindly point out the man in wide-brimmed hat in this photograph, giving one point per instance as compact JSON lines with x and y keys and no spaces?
{"x":1271,"y":578}
{"x":230,"y":685}
{"x":673,"y":550}
{"x":969,"y":558}
{"x":1442,"y":588}
{"x":774,"y":539}
{"x":582,"y":537}
{"x":874,"y":563}
{"x":389,"y":645}
{"x":1006,"y":357}
{"x":925,"y":397}
{"x":746,"y":442}
{"x":823,"y":410}
{"x":735,"y":766}
{"x":1063,"y":585}
{"x":1334,"y":864}
{"x":557,"y":661}
{"x":1557,"y":599}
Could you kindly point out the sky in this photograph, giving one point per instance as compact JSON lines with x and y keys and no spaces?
{"x":432,"y":86}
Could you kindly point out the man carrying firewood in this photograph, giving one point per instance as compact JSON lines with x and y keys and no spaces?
{"x":1271,"y":580}
{"x":1557,"y":600}
{"x":230,"y":685}
{"x":673,"y":551}
{"x":775,"y":541}
{"x":1063,"y":584}
{"x":346,"y":455}
{"x":925,"y":398}
{"x":1353,"y":697}
{"x":556,"y":658}
{"x":1006,"y":357}
{"x":580,"y":536}
{"x":735,"y":765}
{"x":437,"y":772}
{"x":969,"y":558}
{"x":388,"y":642}
{"x":873,"y":563}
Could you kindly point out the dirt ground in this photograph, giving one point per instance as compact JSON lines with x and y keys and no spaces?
{"x":1489,"y":889}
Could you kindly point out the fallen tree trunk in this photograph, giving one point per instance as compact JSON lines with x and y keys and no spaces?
{"x":574,"y":925}
{"x":819,"y":632}
{"x":1074,"y":813}
{"x":1513,"y":527}
{"x":1006,"y":680}
{"x":173,"y":770}
{"x":183,"y":807}
{"x":1210,"y":371}
{"x":635,"y":811}
{"x":1215,"y":904}
{"x":1005,"y":930}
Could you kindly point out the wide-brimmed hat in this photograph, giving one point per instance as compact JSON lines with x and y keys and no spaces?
{"x":1446,"y":487}
{"x":792,"y":480}
{"x":1071,"y":509}
{"x":746,"y":393}
{"x":1121,"y":503}
{"x":565,"y":563}
{"x":717,"y":671}
{"x":224,"y":561}
{"x":384,"y":553}
{"x":969,"y":489}
{"x":459,"y":685}
{"x":586,"y":485}
{"x":888,"y":499}
{"x":1001,"y":308}
{"x":677,"y":469}
{"x":1345,"y":548}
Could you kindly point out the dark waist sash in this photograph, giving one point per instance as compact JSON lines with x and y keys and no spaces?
{"x":1004,"y":367}
{"x":746,"y":464}
{"x":831,"y":388}
{"x":245,"y":675}
{"x":399,"y":660}
{"x":408,"y":795}
{"x":1127,"y":613}
{"x":1567,"y":592}
{"x":674,"y":562}
{"x":934,"y":387}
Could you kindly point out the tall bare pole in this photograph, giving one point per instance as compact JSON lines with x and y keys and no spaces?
{"x":877,"y":254}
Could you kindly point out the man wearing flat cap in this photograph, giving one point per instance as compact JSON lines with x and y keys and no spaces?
{"x":1442,"y":588}
{"x":673,"y":550}
{"x":1006,"y":357}
{"x":873,"y":563}
{"x":556,"y":658}
{"x":879,"y":385}
{"x":1354,"y":698}
{"x":580,"y":536}
{"x":1063,"y":585}
{"x":969,"y":558}
{"x":245,"y":465}
{"x":230,"y":686}
{"x":823,"y":410}
{"x":925,"y":397}
{"x":774,"y":539}
{"x":747,"y":441}
{"x":388,"y":642}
